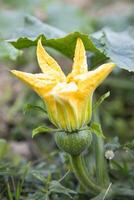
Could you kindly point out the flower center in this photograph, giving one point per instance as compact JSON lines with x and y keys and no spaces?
{"x":64,"y":87}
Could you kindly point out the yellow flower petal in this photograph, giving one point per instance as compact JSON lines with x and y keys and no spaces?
{"x":80,"y":60}
{"x":51,"y":109}
{"x":46,"y":62}
{"x":39,"y":82}
{"x":88,"y":82}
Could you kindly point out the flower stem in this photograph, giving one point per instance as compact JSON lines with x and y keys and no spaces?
{"x":80,"y":171}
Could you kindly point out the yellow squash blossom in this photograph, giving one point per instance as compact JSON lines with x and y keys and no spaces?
{"x":68,"y":98}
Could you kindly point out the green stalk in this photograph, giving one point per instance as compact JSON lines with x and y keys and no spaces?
{"x":81,"y":174}
{"x":101,"y":169}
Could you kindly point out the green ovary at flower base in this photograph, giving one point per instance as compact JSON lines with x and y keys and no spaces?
{"x":68,"y":99}
{"x":74,"y":143}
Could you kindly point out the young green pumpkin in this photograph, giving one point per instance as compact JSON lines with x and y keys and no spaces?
{"x":68,"y":98}
{"x":74,"y":143}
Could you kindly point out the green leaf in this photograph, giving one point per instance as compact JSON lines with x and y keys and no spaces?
{"x":96,"y":128}
{"x":101,"y":99}
{"x":27,"y":32}
{"x":17,"y":24}
{"x":54,"y":38}
{"x":8,"y":51}
{"x":56,"y":187}
{"x":42,"y":129}
{"x":29,"y":107}
{"x":108,"y":45}
{"x":118,"y":46}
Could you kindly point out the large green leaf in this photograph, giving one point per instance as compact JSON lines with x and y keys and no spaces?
{"x":24,"y":30}
{"x":8,"y":51}
{"x":15,"y":25}
{"x":31,"y":29}
{"x":118,"y":46}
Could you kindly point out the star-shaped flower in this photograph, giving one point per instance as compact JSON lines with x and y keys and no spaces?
{"x":68,"y":98}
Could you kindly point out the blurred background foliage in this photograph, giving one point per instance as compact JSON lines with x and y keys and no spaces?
{"x":116,"y":113}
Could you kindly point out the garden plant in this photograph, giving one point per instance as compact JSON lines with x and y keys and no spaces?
{"x":82,"y":161}
{"x":68,"y":101}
